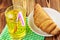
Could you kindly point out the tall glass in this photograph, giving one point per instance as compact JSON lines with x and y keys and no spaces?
{"x":16,"y":19}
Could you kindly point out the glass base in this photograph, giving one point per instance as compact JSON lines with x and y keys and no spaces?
{"x":19,"y":37}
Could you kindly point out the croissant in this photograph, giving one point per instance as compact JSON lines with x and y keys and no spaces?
{"x":43,"y":21}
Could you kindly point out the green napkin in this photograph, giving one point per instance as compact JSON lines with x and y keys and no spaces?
{"x":30,"y":35}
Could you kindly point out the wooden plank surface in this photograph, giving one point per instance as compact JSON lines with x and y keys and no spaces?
{"x":55,"y":4}
{"x":30,"y":6}
{"x":3,"y":5}
{"x":41,"y":2}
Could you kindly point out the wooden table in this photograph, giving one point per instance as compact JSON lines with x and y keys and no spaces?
{"x":3,"y":5}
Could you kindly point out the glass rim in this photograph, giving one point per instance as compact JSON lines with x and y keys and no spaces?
{"x":12,"y":6}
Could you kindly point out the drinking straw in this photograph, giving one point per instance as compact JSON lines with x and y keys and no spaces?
{"x":20,"y":17}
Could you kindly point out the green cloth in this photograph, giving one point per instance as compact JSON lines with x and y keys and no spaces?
{"x":30,"y":35}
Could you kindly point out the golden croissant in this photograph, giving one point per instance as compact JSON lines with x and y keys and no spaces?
{"x":43,"y":21}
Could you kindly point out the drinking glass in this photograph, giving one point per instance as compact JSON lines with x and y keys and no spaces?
{"x":16,"y":22}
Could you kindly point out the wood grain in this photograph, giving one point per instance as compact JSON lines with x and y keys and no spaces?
{"x":30,"y":6}
{"x":3,"y":5}
{"x":55,"y":4}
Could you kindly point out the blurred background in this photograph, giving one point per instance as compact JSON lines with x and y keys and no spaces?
{"x":55,"y":4}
